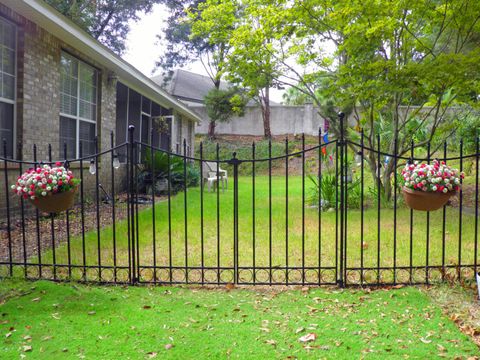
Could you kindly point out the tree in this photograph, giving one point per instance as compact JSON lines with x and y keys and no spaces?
{"x":249,"y":62}
{"x":186,"y":45}
{"x":292,"y":96}
{"x":221,"y":105}
{"x":180,"y":48}
{"x":106,"y":20}
{"x":403,"y":63}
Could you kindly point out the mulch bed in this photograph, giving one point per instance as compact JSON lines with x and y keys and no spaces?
{"x":60,"y":227}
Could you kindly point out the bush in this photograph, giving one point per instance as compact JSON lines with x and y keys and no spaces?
{"x":159,"y":168}
{"x":328,"y":187}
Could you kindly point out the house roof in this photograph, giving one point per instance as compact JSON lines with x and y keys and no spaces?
{"x":191,"y":87}
{"x":188,"y":86}
{"x":64,"y":29}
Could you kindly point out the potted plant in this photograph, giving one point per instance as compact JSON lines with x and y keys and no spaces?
{"x":50,"y":188}
{"x":428,"y":187}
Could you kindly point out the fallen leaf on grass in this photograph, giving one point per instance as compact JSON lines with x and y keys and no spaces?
{"x":26,"y":348}
{"x":230,"y":286}
{"x":146,"y":307}
{"x":36,"y":299}
{"x":425,"y":341}
{"x":308,"y":337}
{"x":271,"y":342}
{"x":151,"y":354}
{"x":441,"y":348}
{"x":299,"y":330}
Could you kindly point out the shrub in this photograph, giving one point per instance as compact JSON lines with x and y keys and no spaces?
{"x":327,"y":189}
{"x":160,"y":169}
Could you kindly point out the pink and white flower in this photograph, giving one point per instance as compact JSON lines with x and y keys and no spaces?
{"x":435,"y":177}
{"x":43,"y":181}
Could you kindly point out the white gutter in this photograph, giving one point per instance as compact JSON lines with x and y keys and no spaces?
{"x":64,"y":29}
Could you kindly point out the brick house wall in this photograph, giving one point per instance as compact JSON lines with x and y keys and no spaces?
{"x":37,"y":117}
{"x":37,"y":104}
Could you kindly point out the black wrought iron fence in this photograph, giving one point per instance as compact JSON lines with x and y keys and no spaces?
{"x":323,"y":212}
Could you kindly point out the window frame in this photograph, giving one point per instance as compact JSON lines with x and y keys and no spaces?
{"x":77,"y":117}
{"x":15,"y":80}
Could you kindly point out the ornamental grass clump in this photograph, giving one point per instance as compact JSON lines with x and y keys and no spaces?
{"x":435,"y":177}
{"x":45,"y":180}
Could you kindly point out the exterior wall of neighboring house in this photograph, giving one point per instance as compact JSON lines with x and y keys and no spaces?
{"x":183,"y":129}
{"x":283,"y":120}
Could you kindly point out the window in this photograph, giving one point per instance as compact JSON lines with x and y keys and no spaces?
{"x":7,"y":85}
{"x":78,"y":106}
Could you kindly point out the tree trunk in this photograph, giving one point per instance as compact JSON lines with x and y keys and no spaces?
{"x":211,"y":130}
{"x":266,"y":114}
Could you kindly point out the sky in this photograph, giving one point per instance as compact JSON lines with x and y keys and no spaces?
{"x":144,"y":48}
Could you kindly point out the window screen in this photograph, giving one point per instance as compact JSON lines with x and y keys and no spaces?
{"x":87,"y":137}
{"x":78,"y":105}
{"x":68,"y":136}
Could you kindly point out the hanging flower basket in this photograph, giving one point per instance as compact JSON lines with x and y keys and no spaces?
{"x":51,"y":189}
{"x":56,"y":203}
{"x":425,"y":201}
{"x":428,"y":187}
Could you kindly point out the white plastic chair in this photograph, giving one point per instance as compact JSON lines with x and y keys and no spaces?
{"x":210,"y":175}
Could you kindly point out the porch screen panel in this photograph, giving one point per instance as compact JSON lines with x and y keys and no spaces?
{"x":134,"y":108}
{"x":121,"y":119}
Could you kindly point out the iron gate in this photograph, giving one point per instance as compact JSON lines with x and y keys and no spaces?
{"x":311,"y":213}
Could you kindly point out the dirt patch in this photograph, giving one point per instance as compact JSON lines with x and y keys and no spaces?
{"x":460,"y":304}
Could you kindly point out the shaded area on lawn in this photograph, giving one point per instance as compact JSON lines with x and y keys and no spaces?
{"x":44,"y":320}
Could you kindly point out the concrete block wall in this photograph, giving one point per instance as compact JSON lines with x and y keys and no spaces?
{"x":283,"y":120}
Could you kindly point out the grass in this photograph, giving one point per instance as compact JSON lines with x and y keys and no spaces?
{"x":44,"y":320}
{"x":192,"y":253}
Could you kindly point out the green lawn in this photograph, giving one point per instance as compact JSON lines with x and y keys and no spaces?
{"x":44,"y":320}
{"x":279,"y":249}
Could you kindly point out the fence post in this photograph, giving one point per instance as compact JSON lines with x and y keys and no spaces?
{"x":131,"y":205}
{"x":235,"y":163}
{"x":341,"y":143}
